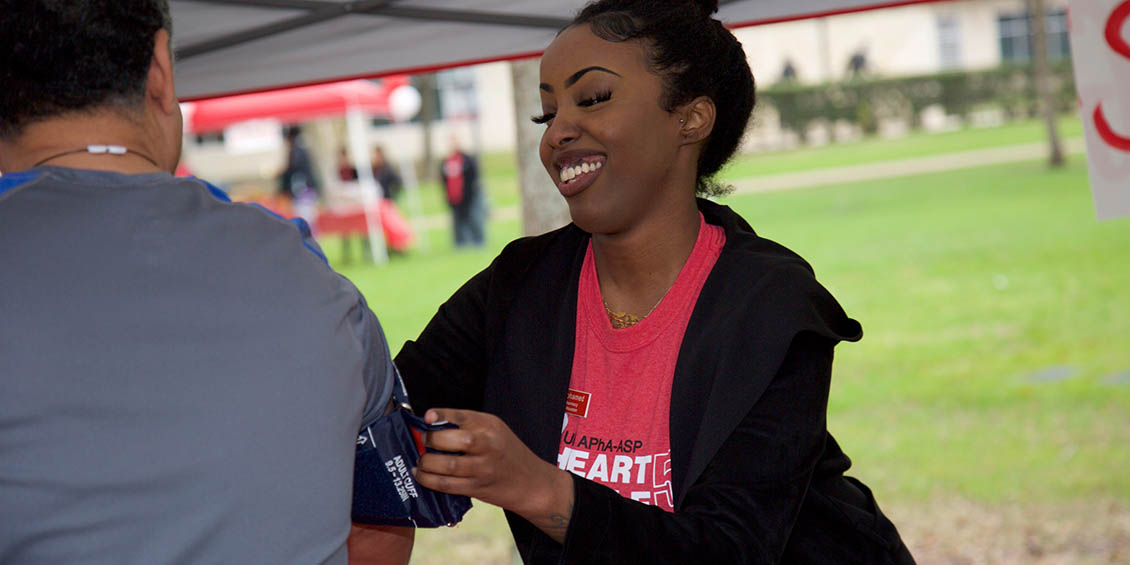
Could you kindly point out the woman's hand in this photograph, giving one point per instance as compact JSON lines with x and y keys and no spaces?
{"x":496,"y":468}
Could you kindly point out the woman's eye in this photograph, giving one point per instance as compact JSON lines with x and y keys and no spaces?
{"x":597,"y":99}
{"x":543,"y":119}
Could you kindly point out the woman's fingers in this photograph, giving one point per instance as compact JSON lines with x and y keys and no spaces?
{"x":493,"y":466}
{"x":477,"y":431}
{"x":455,"y":474}
{"x":466,"y":486}
{"x":458,"y":440}
{"x":449,"y":465}
{"x":453,"y":415}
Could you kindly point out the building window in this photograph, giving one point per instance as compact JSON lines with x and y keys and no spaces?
{"x":1059,"y":36}
{"x":457,"y":96}
{"x":1016,"y":46}
{"x":949,"y":42}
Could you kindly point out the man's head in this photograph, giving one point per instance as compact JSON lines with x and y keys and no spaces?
{"x":78,"y":58}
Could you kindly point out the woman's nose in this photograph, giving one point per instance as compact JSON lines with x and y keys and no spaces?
{"x":562,"y":130}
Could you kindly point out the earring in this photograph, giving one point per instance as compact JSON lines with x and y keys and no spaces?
{"x":682,"y":121}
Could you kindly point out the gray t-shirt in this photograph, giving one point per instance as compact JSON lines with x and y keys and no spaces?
{"x":181,"y":378}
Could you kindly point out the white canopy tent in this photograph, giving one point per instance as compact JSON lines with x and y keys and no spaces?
{"x":234,"y":46}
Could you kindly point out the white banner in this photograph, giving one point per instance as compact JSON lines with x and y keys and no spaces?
{"x":1100,"y":45}
{"x":253,"y":136}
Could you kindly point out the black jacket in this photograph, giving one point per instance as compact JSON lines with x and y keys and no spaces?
{"x":756,"y":476}
{"x":471,"y":187}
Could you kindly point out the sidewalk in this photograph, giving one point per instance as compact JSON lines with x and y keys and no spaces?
{"x":852,"y":173}
{"x":904,"y":167}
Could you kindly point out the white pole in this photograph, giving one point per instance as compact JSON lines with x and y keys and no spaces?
{"x":370,"y":188}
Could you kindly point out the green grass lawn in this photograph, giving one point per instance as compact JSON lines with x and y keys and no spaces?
{"x":918,"y":144}
{"x":968,"y":284}
{"x":996,"y":315}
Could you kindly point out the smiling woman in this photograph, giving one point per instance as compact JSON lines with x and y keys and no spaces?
{"x":649,"y":383}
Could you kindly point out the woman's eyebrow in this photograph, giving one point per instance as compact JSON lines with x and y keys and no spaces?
{"x":573,"y":78}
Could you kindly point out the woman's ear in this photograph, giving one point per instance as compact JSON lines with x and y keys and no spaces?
{"x":696,"y":119}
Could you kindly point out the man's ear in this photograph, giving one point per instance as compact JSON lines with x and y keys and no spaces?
{"x":159,"y":86}
{"x":697,"y":119}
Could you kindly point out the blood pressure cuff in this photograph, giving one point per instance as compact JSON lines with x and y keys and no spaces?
{"x":384,"y":490}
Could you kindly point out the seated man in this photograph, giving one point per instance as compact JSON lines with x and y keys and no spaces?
{"x":181,"y":378}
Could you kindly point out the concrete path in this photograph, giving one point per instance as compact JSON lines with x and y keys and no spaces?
{"x":852,"y":173}
{"x":903,"y":167}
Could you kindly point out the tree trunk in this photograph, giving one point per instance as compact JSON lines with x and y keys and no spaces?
{"x":1041,"y":78}
{"x":428,"y":103}
{"x":543,"y":208}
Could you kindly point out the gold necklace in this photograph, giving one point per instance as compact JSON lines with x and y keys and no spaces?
{"x":621,"y":320}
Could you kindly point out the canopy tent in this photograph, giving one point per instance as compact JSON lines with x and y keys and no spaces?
{"x":236,"y":46}
{"x":354,"y":99}
{"x":291,"y":105}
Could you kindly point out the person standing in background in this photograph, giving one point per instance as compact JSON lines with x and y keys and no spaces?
{"x":297,"y":182}
{"x":298,"y":177}
{"x":386,"y":175}
{"x":345,"y":169}
{"x":460,"y":174}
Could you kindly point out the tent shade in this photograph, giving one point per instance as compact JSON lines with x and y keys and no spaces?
{"x":237,"y":46}
{"x":291,"y":105}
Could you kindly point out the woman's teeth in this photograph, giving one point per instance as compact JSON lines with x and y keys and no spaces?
{"x":570,"y":173}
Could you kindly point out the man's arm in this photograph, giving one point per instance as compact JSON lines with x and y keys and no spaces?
{"x":380,"y":544}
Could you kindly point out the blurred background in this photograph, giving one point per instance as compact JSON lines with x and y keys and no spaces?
{"x":927,"y":160}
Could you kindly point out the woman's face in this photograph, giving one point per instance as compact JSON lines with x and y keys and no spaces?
{"x":608,"y":145}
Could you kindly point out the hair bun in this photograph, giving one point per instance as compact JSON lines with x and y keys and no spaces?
{"x":707,"y":6}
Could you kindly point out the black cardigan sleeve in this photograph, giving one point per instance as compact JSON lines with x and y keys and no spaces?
{"x":446,"y":365}
{"x":742,"y":508}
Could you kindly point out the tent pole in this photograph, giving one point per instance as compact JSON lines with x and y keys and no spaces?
{"x":370,"y":189}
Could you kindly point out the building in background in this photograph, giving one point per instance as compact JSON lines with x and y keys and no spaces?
{"x":909,"y":40}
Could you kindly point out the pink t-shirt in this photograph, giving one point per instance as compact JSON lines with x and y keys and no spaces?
{"x":615,"y":430}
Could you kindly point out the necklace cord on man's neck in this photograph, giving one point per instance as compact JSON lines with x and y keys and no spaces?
{"x":100,"y":150}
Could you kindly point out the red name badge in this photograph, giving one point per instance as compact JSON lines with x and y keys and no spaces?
{"x":577,"y":403}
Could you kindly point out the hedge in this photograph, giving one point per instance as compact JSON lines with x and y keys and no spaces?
{"x":865,"y":101}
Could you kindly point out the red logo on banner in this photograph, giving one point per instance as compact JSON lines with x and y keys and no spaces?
{"x":1114,"y":37}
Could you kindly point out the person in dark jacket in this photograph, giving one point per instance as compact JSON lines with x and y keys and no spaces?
{"x":386,"y":176}
{"x":298,"y":178}
{"x":459,"y":173}
{"x":648,"y":384}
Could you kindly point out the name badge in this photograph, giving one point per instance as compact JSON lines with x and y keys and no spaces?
{"x":577,"y":403}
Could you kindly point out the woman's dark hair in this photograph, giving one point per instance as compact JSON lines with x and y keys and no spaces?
{"x":61,"y":56}
{"x":696,"y":56}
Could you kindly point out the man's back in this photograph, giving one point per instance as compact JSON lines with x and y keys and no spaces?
{"x":181,"y":380}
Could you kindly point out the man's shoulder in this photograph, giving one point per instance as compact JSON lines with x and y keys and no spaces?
{"x":13,"y":181}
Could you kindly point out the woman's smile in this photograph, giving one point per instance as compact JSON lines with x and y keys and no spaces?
{"x":577,"y":171}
